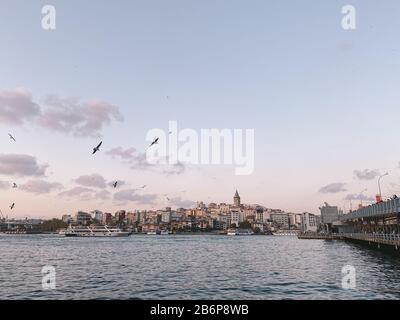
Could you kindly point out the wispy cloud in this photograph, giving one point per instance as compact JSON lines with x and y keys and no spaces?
{"x":93,"y":180}
{"x":16,"y":106}
{"x":70,"y":115}
{"x":138,"y":161}
{"x":67,"y":115}
{"x":333,"y":188}
{"x":180,"y":203}
{"x":133,"y":196}
{"x":40,"y":186}
{"x":21,"y":165}
{"x":366,"y":174}
{"x":82,"y":193}
{"x":175,"y":169}
{"x":4,"y":185}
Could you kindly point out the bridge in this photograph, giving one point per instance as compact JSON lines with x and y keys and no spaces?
{"x":383,"y":218}
{"x":377,"y":224}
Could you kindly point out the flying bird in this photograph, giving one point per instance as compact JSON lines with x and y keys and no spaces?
{"x":12,"y":206}
{"x":15,"y":185}
{"x":142,"y":187}
{"x":11,"y":137}
{"x":154,"y":142}
{"x":97,"y":148}
{"x":115,"y":184}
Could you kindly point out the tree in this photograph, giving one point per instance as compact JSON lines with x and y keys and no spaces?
{"x":245,"y":225}
{"x":233,"y":225}
{"x":53,"y":225}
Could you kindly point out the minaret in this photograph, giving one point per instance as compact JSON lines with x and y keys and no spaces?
{"x":236,"y":199}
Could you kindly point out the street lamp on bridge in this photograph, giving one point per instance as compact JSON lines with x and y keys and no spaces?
{"x":379,"y":183}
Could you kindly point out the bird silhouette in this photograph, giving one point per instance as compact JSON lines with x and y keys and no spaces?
{"x":15,"y":185}
{"x":11,"y":137}
{"x":115,"y":184}
{"x":97,"y":148}
{"x":12,"y":206}
{"x":154,"y":142}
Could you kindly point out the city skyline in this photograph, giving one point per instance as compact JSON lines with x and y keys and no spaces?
{"x":322,"y":102}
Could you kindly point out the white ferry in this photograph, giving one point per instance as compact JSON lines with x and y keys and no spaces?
{"x":95,"y":231}
{"x":165,"y":232}
{"x":287,"y":233}
{"x":232,"y":232}
{"x":240,"y":232}
{"x":152,"y":233}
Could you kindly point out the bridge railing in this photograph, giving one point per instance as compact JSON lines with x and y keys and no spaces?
{"x":374,"y":236}
{"x":382,"y":208}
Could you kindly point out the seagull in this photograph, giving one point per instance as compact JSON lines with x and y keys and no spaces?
{"x":142,"y":187}
{"x":115,"y":184}
{"x":154,"y":142}
{"x":11,"y":137}
{"x":168,"y":198}
{"x":97,"y":148}
{"x":15,"y":185}
{"x":12,"y":206}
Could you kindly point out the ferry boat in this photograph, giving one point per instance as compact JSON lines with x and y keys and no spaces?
{"x":232,"y":232}
{"x":240,"y":232}
{"x":287,"y":233}
{"x":95,"y":231}
{"x":165,"y":232}
{"x":152,"y":233}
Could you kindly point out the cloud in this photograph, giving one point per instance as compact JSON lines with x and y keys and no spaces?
{"x":66,"y":115}
{"x":132,"y":156}
{"x":333,"y":188}
{"x":70,"y":115}
{"x":359,"y":197}
{"x":138,"y":161}
{"x":128,"y":154}
{"x":16,"y":106}
{"x":180,"y":203}
{"x":4,"y":185}
{"x":366,"y":174}
{"x":85,"y":194}
{"x":175,"y":169}
{"x":102,"y":195}
{"x":21,"y":165}
{"x":40,"y":186}
{"x":131,"y":195}
{"x":94,"y":180}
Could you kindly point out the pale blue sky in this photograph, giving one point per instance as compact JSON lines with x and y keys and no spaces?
{"x":323,"y":101}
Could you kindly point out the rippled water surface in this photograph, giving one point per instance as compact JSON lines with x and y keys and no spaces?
{"x":193,"y":267}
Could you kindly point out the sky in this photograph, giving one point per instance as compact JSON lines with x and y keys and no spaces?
{"x":323,"y":102}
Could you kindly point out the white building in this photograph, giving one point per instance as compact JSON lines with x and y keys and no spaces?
{"x":166,"y":216}
{"x":308,"y":222}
